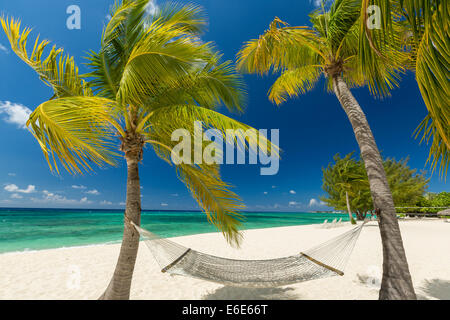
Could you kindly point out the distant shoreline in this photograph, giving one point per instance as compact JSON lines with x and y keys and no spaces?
{"x":158,"y":210}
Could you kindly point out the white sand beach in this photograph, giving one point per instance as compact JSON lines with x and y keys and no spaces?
{"x":84,"y":272}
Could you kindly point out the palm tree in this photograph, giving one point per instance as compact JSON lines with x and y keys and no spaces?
{"x":425,"y":30}
{"x":152,"y":75}
{"x":330,"y":47}
{"x":348,"y":179}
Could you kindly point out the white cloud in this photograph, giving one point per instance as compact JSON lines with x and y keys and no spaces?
{"x":93,"y":192}
{"x":152,"y":8}
{"x":85,"y":200}
{"x":314,"y":202}
{"x":294,"y":203}
{"x":273,"y":187}
{"x":265,"y":192}
{"x":122,"y":203}
{"x":15,"y":113}
{"x":317,"y":3}
{"x":106,"y":203}
{"x":11,"y":174}
{"x":16,"y":196}
{"x":14,"y":188}
{"x":3,"y":48}
{"x":164,"y":204}
{"x":50,"y":197}
{"x":79,"y":187}
{"x":292,"y":192}
{"x":174,"y":194}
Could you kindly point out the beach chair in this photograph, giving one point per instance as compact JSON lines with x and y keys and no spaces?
{"x":324,"y":224}
{"x":339,"y":222}
{"x":333,"y":223}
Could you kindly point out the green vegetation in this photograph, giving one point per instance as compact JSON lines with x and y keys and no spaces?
{"x":347,"y":175}
{"x":428,"y":203}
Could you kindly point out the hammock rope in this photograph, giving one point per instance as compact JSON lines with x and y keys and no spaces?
{"x":325,"y":260}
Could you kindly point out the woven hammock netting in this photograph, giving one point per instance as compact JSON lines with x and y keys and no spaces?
{"x":325,"y":260}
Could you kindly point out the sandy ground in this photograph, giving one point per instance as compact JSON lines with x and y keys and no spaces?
{"x":84,"y":272}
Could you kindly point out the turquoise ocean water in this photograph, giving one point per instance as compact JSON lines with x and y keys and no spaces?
{"x":35,"y":229}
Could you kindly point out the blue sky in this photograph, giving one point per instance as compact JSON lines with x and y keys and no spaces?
{"x":312,"y":128}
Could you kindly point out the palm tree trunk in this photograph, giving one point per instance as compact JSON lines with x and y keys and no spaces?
{"x":348,"y":207}
{"x":120,"y":284}
{"x":396,"y":282}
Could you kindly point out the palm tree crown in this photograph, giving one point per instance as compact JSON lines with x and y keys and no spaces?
{"x":329,"y":47}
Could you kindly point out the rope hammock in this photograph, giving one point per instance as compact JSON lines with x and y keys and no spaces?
{"x":325,"y":260}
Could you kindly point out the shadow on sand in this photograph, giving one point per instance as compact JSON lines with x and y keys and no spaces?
{"x":437,"y":288}
{"x":234,"y":293}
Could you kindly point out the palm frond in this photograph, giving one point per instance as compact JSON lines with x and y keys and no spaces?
{"x":209,"y":84}
{"x":293,"y":82}
{"x":57,"y":70}
{"x":159,"y":59}
{"x":220,"y":204}
{"x":123,"y":31}
{"x":425,"y":36}
{"x":77,"y":131}
{"x":343,"y":15}
{"x":432,"y":65}
{"x":189,"y":18}
{"x":164,"y":121}
{"x":280,"y":47}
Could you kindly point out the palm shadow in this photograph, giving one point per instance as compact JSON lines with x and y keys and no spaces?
{"x":437,"y":288}
{"x":236,"y":293}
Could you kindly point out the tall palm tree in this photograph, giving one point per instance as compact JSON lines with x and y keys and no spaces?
{"x":330,"y":48}
{"x":425,"y":27}
{"x":152,"y":75}
{"x":349,"y":180}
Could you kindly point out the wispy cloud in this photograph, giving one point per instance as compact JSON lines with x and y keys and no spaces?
{"x":15,"y":113}
{"x":93,"y":192}
{"x":294,"y":203}
{"x":152,"y":8}
{"x":16,"y":196}
{"x":16,"y":189}
{"x":79,"y":187}
{"x":316,"y":3}
{"x":4,"y":49}
{"x":11,"y":174}
{"x":106,"y":203}
{"x":51,"y":197}
{"x":292,"y":192}
{"x":164,"y":204}
{"x":265,"y":192}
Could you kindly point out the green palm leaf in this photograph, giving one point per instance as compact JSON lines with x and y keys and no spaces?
{"x":77,"y":131}
{"x":57,"y":70}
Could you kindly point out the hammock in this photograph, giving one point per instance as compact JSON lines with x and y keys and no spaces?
{"x":325,"y":260}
